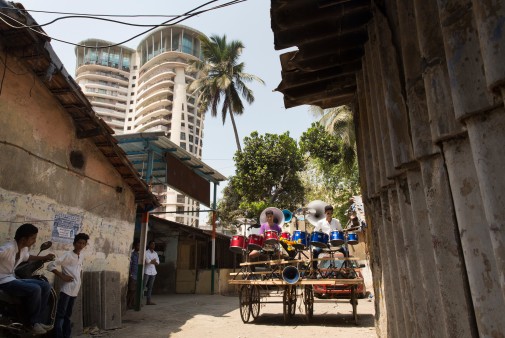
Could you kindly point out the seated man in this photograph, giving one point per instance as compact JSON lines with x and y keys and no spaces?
{"x":34,"y":292}
{"x":327,"y":225}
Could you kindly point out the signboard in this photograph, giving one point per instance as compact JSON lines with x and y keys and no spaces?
{"x":65,"y":227}
{"x":183,"y":179}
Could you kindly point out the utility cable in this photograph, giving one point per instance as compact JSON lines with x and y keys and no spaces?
{"x":184,"y":16}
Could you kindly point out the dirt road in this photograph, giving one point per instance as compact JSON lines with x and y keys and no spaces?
{"x":218,"y":316}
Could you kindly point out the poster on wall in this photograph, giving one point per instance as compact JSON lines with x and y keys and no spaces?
{"x":65,"y":227}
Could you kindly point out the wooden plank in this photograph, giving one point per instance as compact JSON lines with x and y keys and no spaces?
{"x":329,"y":281}
{"x":301,"y":260}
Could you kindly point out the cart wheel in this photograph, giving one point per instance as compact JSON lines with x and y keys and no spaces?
{"x":255,"y":301}
{"x":309,"y":302}
{"x":244,"y":302}
{"x":292,"y":301}
{"x":286,"y":303}
{"x":354,"y":303}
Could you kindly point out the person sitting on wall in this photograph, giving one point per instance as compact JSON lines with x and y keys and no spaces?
{"x":34,"y":292}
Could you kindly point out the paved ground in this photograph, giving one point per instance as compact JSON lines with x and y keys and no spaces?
{"x":218,"y":316}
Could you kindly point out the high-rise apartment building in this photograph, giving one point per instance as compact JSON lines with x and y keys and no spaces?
{"x":145,"y":89}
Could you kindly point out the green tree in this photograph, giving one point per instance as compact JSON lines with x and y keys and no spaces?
{"x":267,"y":174}
{"x":339,"y":122}
{"x":222,"y":78}
{"x":330,"y":146}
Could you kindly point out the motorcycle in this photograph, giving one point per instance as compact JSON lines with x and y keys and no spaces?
{"x":11,"y":312}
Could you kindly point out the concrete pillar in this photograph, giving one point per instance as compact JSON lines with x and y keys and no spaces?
{"x":424,"y":247}
{"x":375,"y":171}
{"x":486,"y":132}
{"x":400,"y":253}
{"x":363,"y":139}
{"x":390,"y":270}
{"x":397,"y":116}
{"x":450,"y":265}
{"x":419,"y":296}
{"x":384,"y":303}
{"x":374,"y":118}
{"x":479,"y":258}
{"x":476,"y":106}
{"x":380,"y":111}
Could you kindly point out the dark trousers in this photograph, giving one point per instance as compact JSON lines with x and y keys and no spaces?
{"x":63,"y":325}
{"x":35,"y":295}
{"x":316,"y":251}
{"x":148,"y":283}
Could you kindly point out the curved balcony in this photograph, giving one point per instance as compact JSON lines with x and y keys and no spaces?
{"x":153,"y":123}
{"x":100,"y":67}
{"x":176,"y":58}
{"x":160,"y":67}
{"x":97,"y":85}
{"x":155,"y":112}
{"x":157,"y":96}
{"x":101,"y":76}
{"x":111,"y":96}
{"x":156,"y":86}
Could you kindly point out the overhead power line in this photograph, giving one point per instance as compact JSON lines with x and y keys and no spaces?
{"x":170,"y":22}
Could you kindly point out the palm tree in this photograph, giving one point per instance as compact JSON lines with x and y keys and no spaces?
{"x":339,"y":121}
{"x":222,"y":77}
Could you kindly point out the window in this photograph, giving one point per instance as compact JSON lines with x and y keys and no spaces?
{"x":180,"y":198}
{"x":182,"y":116}
{"x":134,"y":77}
{"x":133,"y":85}
{"x":179,"y":219}
{"x":134,"y":67}
{"x":190,"y":138}
{"x":129,"y":119}
{"x":132,"y":93}
{"x":183,"y":145}
{"x":180,"y":210}
{"x":190,"y":148}
{"x":129,"y":128}
{"x":131,"y":110}
{"x":131,"y":102}
{"x":183,"y":136}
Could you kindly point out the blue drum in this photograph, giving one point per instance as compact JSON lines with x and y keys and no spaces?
{"x":300,"y":239}
{"x":352,"y":238}
{"x":319,"y":239}
{"x":337,"y":238}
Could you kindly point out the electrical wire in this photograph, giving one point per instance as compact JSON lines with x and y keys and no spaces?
{"x":101,"y":15}
{"x":185,"y":16}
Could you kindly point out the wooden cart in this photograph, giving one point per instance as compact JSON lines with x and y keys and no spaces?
{"x":256,"y":288}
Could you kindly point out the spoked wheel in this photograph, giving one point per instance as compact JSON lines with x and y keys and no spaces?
{"x":255,"y":301}
{"x":244,"y":302}
{"x":292,"y":301}
{"x":308,"y":300}
{"x":354,"y":303}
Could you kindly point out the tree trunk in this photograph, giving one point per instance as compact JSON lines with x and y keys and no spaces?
{"x":235,"y":131}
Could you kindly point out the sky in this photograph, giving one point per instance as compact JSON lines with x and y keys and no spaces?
{"x":248,"y":21}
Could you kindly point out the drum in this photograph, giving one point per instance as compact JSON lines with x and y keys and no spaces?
{"x":286,"y":236}
{"x":337,"y":238}
{"x":238,"y":243}
{"x":319,"y":239}
{"x":352,"y":238}
{"x":300,"y":239}
{"x":271,"y":237}
{"x":255,"y":242}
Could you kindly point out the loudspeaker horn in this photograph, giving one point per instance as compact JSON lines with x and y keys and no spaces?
{"x":278,"y":216}
{"x":290,"y":274}
{"x":288,"y":215}
{"x":315,"y":211}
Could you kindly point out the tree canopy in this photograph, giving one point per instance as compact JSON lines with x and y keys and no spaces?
{"x":267,"y":174}
{"x":222,"y":78}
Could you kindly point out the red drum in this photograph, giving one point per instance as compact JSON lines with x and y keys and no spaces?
{"x":255,"y":242}
{"x":271,"y":237}
{"x":286,"y":236}
{"x":238,"y":243}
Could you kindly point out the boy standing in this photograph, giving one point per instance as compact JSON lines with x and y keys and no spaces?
{"x":71,"y":267}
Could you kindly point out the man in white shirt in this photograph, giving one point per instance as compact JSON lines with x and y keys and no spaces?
{"x":326,"y":225}
{"x":35,"y":293}
{"x":151,"y":260}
